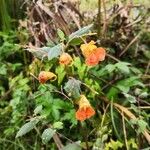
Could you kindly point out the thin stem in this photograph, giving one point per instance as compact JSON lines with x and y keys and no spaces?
{"x":124,"y":131}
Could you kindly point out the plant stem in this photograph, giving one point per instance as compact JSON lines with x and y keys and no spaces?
{"x":99,"y":19}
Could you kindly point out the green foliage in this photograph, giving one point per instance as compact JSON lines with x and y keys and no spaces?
{"x":38,"y":112}
{"x":114,"y":145}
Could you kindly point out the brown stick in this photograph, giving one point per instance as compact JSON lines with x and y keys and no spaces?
{"x":128,"y":46}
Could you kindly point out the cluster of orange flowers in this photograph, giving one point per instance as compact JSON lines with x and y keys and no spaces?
{"x":92,"y":55}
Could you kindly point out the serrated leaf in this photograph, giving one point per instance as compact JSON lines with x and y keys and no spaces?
{"x":123,"y":67}
{"x":38,"y":109}
{"x":70,"y":116}
{"x":55,"y":51}
{"x":58,"y":125}
{"x":130,"y":98}
{"x":72,"y":146}
{"x":60,"y":70}
{"x":27,"y":127}
{"x":142,"y":125}
{"x":47,"y":135}
{"x":115,"y":145}
{"x":110,"y":68}
{"x":81,"y":68}
{"x":124,"y":85}
{"x":72,"y":87}
{"x":80,"y":32}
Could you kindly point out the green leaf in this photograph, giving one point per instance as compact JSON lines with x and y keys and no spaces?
{"x":3,"y":69}
{"x":55,"y":51}
{"x":132,"y":144}
{"x":27,"y":127}
{"x":123,"y":67}
{"x":110,"y":68}
{"x":75,"y":42}
{"x":142,"y":125}
{"x":38,"y":109}
{"x":58,"y":125}
{"x":61,"y":34}
{"x":112,"y":93}
{"x":39,"y":52}
{"x":126,"y":84}
{"x":72,"y":87}
{"x":72,"y":146}
{"x":80,"y":32}
{"x":47,"y":135}
{"x":115,"y":145}
{"x":130,"y":98}
{"x":71,"y":117}
{"x":60,"y":70}
{"x":55,"y":111}
{"x":81,"y":68}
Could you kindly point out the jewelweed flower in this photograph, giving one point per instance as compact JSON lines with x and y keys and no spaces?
{"x":46,"y":75}
{"x":88,"y":48}
{"x":85,"y":110}
{"x":97,"y":55}
{"x":92,"y":54}
{"x":65,"y":59}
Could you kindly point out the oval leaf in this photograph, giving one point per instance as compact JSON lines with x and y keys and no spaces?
{"x":47,"y":135}
{"x":38,"y":109}
{"x":27,"y":127}
{"x":72,"y":87}
{"x":80,"y":32}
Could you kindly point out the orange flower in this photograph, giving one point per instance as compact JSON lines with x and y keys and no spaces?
{"x":85,"y":110}
{"x":91,"y":60}
{"x":46,"y":75}
{"x":97,"y":55}
{"x":88,"y":48}
{"x":100,"y":53}
{"x":65,"y":59}
{"x":92,"y":54}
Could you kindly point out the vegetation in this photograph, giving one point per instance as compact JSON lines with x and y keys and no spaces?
{"x":74,"y":75}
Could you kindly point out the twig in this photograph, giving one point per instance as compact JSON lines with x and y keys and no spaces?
{"x":112,"y":57}
{"x":105,"y":21}
{"x":58,"y":141}
{"x":128,"y":46}
{"x":110,"y":83}
{"x":147,"y":68}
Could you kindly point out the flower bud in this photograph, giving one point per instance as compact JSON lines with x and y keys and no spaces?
{"x":46,"y":75}
{"x":65,"y":59}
